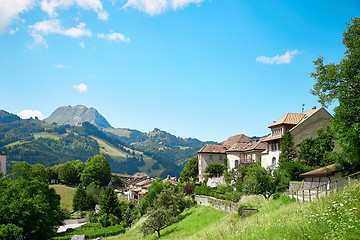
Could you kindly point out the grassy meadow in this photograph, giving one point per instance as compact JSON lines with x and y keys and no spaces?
{"x":334,"y":217}
{"x":67,"y":194}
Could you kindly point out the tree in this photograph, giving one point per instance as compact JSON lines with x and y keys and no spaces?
{"x":157,"y":220}
{"x":28,"y":203}
{"x":287,"y":153}
{"x":83,"y":201}
{"x":191,"y":170}
{"x":215,"y":169}
{"x":109,"y":202}
{"x":314,"y":150}
{"x":68,"y":173}
{"x":341,"y":82}
{"x":265,"y":182}
{"x":96,"y":170}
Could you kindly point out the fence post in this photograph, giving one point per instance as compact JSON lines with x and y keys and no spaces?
{"x":309,"y":195}
{"x":303,"y":195}
{"x":349,"y":180}
{"x":297,"y":195}
{"x":317,"y":192}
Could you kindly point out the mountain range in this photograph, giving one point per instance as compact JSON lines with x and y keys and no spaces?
{"x":79,"y":132}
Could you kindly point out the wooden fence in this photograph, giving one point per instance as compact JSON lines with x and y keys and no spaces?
{"x":312,"y":194}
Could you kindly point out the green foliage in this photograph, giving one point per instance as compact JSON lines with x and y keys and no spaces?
{"x":293,"y":169}
{"x":191,"y":170}
{"x":107,"y":220}
{"x":314,"y":150}
{"x":171,"y":200}
{"x":287,"y":153}
{"x":223,"y":188}
{"x":94,"y":190}
{"x":341,"y":82}
{"x":155,"y":188}
{"x":82,"y":201}
{"x":96,"y":170}
{"x":29,"y":203}
{"x":11,"y":232}
{"x":215,"y":169}
{"x":70,"y":172}
{"x":157,"y":220}
{"x":266,"y":182}
{"x":109,"y":202}
{"x":93,"y":230}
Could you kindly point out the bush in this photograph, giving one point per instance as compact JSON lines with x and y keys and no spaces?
{"x":223,"y":188}
{"x":107,"y":220}
{"x":188,"y":188}
{"x":93,"y":230}
{"x":215,"y":168}
{"x":233,"y":196}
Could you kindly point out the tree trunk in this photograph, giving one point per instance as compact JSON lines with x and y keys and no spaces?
{"x":158,"y":231}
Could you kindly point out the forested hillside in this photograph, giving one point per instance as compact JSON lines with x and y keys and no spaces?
{"x":35,"y":141}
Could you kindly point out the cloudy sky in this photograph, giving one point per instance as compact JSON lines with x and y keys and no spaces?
{"x":207,"y":69}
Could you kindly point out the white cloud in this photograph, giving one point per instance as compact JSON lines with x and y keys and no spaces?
{"x":39,"y":29}
{"x":10,"y":9}
{"x":282,"y":59}
{"x":60,"y":66}
{"x":50,"y":7}
{"x":30,"y":113}
{"x":154,"y":7}
{"x":114,"y":36}
{"x":82,"y":44}
{"x":81,"y":87}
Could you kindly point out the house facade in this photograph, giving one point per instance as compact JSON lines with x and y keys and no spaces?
{"x":238,"y":150}
{"x":300,"y":125}
{"x":3,"y":163}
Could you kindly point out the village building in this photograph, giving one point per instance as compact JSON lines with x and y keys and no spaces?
{"x":320,"y":177}
{"x":300,"y":125}
{"x":3,"y":163}
{"x":238,"y":150}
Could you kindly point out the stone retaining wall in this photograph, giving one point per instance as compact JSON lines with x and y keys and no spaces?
{"x":216,"y":203}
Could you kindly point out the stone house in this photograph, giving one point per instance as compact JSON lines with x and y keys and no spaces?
{"x":300,"y":125}
{"x":238,"y":150}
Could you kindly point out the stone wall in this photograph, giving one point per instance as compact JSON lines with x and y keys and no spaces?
{"x":216,"y":203}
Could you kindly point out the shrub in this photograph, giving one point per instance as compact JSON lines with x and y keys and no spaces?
{"x":188,"y":188}
{"x":223,"y":188}
{"x":233,"y":196}
{"x":107,"y":220}
{"x":215,"y":168}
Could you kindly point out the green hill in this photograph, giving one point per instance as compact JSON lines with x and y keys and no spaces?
{"x":35,"y":141}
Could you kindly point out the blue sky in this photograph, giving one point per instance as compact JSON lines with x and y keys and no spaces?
{"x":195,"y":68}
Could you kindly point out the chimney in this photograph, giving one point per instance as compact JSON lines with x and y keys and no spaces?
{"x":314,"y":107}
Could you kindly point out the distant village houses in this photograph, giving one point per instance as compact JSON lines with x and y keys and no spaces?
{"x":240,"y":149}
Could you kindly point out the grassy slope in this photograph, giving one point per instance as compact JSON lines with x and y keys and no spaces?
{"x":333,"y":217}
{"x":67,"y":194}
{"x":121,"y":132}
{"x":118,"y":155}
{"x":188,"y":228}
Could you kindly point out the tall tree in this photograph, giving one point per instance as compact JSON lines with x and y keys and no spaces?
{"x":191,"y":170}
{"x":287,"y":153}
{"x":96,"y":170}
{"x":314,"y":150}
{"x":341,"y":82}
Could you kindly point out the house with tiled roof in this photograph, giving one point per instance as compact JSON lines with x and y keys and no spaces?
{"x":238,"y":150}
{"x":320,"y":176}
{"x":300,"y":125}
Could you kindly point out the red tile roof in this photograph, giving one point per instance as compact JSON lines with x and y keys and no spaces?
{"x":320,"y":172}
{"x":213,"y":148}
{"x":237,"y":138}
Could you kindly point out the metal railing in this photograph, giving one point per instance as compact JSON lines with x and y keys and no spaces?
{"x":314,"y":193}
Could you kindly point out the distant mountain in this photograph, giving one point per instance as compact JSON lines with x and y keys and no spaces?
{"x":160,"y":143}
{"x":76,"y":116}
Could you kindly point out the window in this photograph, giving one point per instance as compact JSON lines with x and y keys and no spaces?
{"x":210,"y":157}
{"x":236,"y":163}
{"x":220,"y":157}
{"x":274,"y":161}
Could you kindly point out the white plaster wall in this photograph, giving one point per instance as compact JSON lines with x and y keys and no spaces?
{"x":266,"y":159}
{"x":232,"y":157}
{"x":3,"y":164}
{"x":204,"y":161}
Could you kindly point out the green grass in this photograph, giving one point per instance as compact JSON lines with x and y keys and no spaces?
{"x":67,"y":194}
{"x":53,"y":135}
{"x":194,"y":220}
{"x":121,"y":132}
{"x":334,"y":217}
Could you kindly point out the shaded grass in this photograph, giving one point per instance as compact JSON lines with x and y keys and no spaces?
{"x":67,"y":194}
{"x":54,"y":135}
